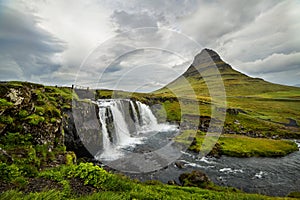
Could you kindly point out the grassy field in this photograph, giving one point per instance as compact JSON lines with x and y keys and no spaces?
{"x":238,"y":145}
{"x":242,"y":146}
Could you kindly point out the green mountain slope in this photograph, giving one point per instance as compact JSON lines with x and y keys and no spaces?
{"x":236,"y":83}
{"x":259,"y":106}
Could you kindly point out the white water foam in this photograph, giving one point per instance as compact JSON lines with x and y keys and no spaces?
{"x":196,"y":165}
{"x":260,"y":174}
{"x":229,"y":170}
{"x":206,"y":160}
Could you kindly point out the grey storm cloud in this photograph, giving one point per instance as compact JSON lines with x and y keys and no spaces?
{"x":126,"y":21}
{"x":256,"y":37}
{"x":274,"y":63}
{"x":26,"y":50}
{"x":259,"y":38}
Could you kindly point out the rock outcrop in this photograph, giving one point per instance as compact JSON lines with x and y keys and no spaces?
{"x":195,"y":179}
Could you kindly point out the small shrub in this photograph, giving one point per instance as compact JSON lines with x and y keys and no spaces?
{"x":20,"y":182}
{"x":6,"y":120}
{"x":29,"y":170}
{"x":70,"y":158}
{"x":294,"y":194}
{"x":9,"y":172}
{"x":23,"y":113}
{"x":35,"y":119}
{"x":67,"y":188}
{"x":32,"y":158}
{"x":91,"y":174}
{"x":39,"y":110}
{"x":51,"y":99}
{"x":56,"y":112}
{"x":53,"y":120}
{"x":17,"y":139}
{"x":5,"y":103}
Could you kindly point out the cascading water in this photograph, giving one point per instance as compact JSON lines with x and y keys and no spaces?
{"x":125,"y":123}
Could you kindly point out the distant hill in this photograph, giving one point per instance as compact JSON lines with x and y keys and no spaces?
{"x":297,"y":85}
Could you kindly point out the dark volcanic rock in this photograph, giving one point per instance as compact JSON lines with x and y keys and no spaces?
{"x":179,"y":164}
{"x":71,"y":138}
{"x":84,"y":136}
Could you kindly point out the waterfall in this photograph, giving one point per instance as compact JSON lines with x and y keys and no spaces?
{"x":148,"y":119}
{"x":124,"y":123}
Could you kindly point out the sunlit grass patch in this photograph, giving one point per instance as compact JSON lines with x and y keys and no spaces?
{"x":242,"y":146}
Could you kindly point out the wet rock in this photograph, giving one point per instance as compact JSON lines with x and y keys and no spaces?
{"x":235,"y":111}
{"x":179,"y":164}
{"x":216,"y":151}
{"x":82,"y":130}
{"x":232,"y":111}
{"x":15,"y":96}
{"x":172,"y":182}
{"x":195,"y":179}
{"x":292,"y":122}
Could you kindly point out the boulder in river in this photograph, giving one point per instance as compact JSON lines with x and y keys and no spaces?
{"x":195,"y":179}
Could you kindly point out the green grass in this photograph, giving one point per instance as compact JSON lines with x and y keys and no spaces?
{"x":267,"y":105}
{"x":6,"y":119}
{"x":289,"y":94}
{"x":114,"y":186}
{"x":35,"y":119}
{"x":243,"y":146}
{"x":142,"y":193}
{"x":5,"y":103}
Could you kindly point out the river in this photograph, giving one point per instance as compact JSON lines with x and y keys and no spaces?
{"x":269,"y":176}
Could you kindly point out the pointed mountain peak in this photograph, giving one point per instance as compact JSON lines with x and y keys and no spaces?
{"x":206,"y":56}
{"x":206,"y":59}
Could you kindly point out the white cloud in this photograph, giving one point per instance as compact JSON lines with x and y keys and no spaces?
{"x":273,"y":63}
{"x":25,"y":47}
{"x":82,"y":25}
{"x":214,"y":19}
{"x":272,"y":31}
{"x":9,"y":68}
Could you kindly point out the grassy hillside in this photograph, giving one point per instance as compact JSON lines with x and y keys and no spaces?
{"x":264,"y":108}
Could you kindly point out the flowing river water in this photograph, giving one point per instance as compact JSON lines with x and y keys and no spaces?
{"x":270,"y":176}
{"x":123,"y":134}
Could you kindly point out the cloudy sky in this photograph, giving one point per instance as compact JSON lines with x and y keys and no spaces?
{"x":142,"y":45}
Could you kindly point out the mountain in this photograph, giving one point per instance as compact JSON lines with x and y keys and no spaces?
{"x":208,"y":67}
{"x":297,"y":85}
{"x":270,"y":108}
